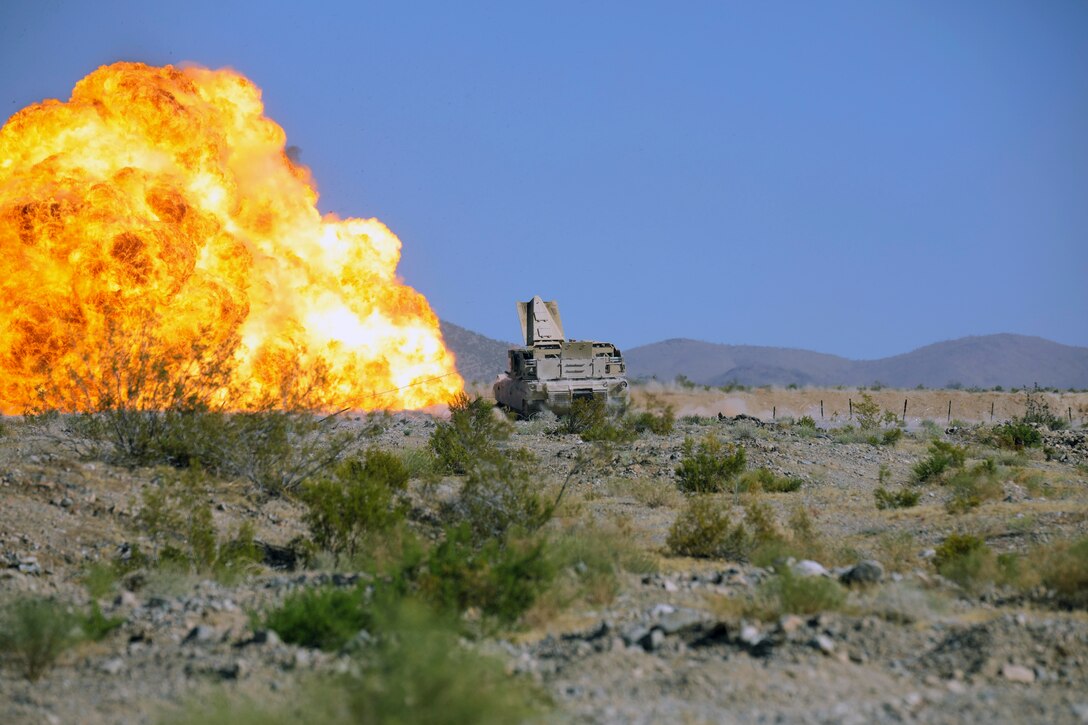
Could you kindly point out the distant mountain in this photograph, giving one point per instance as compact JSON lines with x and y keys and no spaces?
{"x":479,"y":358}
{"x":985,"y":361}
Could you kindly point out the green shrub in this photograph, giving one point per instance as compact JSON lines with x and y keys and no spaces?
{"x":593,"y":420}
{"x":472,"y":433}
{"x":34,"y":631}
{"x":709,"y":466}
{"x":704,"y":529}
{"x":942,"y":456}
{"x":762,"y":479}
{"x":806,"y":421}
{"x":501,"y":493}
{"x":95,"y":626}
{"x":326,"y":617}
{"x":970,"y":487}
{"x":1037,"y":410}
{"x":591,"y":559}
{"x":1065,"y":570}
{"x":363,"y":497}
{"x":966,"y":560}
{"x":418,"y":671}
{"x":413,"y":669}
{"x":901,"y":499}
{"x":891,"y":436}
{"x":1017,"y":435}
{"x":794,"y":594}
{"x":500,"y":578}
{"x":867,"y":412}
{"x":659,"y":423}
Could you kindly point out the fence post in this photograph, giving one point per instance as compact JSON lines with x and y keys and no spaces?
{"x":774,"y":412}
{"x":949,"y":422}
{"x":991,"y":411}
{"x":904,"y":411}
{"x":851,"y":402}
{"x":821,"y":410}
{"x":1069,"y":411}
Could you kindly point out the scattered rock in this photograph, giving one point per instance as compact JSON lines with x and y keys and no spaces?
{"x":824,"y":643}
{"x":807,"y":567}
{"x":1018,"y":673}
{"x":201,"y":633}
{"x":112,"y":666}
{"x":865,"y":573}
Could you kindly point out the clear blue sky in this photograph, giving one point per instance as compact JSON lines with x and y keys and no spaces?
{"x":858,"y":178}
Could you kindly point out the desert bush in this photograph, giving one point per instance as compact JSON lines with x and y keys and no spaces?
{"x":177,"y":516}
{"x":325,"y":617}
{"x":1037,"y":410}
{"x":966,"y":560}
{"x":897,"y":550}
{"x":418,"y":462}
{"x":590,"y":561}
{"x":970,"y":487}
{"x":929,"y":429}
{"x":762,"y":479}
{"x":806,"y":421}
{"x":1064,"y":569}
{"x":594,"y":420}
{"x":794,"y":594}
{"x":891,"y":436}
{"x":709,"y":466}
{"x":361,"y":498}
{"x":413,"y":668}
{"x":34,"y":631}
{"x":942,"y":456}
{"x":501,"y":578}
{"x":95,"y":626}
{"x":902,"y":499}
{"x":867,"y":412}
{"x":500,"y":493}
{"x":472,"y":433}
{"x":1016,"y":435}
{"x":660,"y":422}
{"x":704,"y":529}
{"x":276,"y":450}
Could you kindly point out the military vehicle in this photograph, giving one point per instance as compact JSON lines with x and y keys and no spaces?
{"x":551,"y":372}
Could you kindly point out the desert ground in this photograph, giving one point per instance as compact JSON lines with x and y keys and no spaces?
{"x":843,"y":612}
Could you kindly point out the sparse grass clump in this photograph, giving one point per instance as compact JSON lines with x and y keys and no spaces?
{"x":177,"y":515}
{"x":902,"y":499}
{"x":970,"y":487}
{"x":763,"y":479}
{"x":709,"y":466}
{"x":942,"y":456}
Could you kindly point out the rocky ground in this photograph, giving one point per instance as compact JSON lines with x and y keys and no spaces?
{"x":670,"y":646}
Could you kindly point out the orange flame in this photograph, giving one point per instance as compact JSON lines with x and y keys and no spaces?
{"x":158,"y":205}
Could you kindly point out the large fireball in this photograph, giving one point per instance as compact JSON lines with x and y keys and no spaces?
{"x":154,"y":223}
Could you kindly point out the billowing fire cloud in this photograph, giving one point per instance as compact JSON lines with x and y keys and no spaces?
{"x":156,"y":214}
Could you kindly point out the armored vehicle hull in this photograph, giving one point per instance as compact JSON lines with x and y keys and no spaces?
{"x":551,"y":372}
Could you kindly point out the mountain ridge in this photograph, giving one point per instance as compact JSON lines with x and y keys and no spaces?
{"x":985,"y":361}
